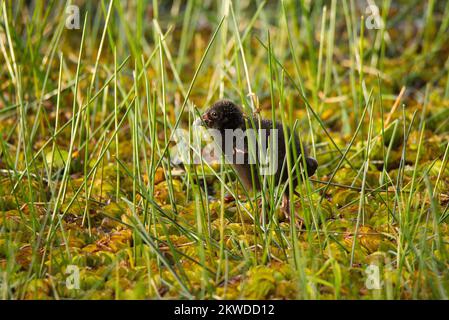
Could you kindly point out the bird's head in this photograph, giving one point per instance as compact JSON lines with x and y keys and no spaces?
{"x":223,"y":114}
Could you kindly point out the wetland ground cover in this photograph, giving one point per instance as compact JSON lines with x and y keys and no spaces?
{"x":92,"y":205}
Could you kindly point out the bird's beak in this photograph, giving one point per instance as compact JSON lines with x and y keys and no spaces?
{"x":202,"y":121}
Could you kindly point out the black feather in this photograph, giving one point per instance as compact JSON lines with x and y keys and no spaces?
{"x":225,"y":114}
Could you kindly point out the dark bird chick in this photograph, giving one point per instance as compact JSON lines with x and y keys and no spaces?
{"x":225,"y":115}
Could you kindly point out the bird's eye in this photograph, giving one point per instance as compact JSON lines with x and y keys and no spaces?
{"x":214,"y":114}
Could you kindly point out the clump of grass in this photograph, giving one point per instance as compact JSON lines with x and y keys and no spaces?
{"x":87,"y":172}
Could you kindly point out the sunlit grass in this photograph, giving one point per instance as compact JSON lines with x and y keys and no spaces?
{"x":87,"y":128}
